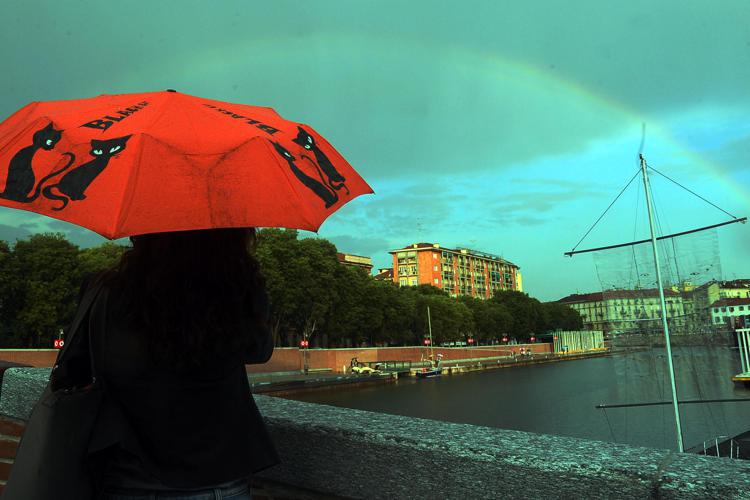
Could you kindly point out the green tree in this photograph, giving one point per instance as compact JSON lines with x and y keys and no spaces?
{"x":301,"y":281}
{"x":561,"y":317}
{"x":525,"y":312}
{"x":399,"y":312}
{"x":99,"y":258}
{"x":45,"y":278}
{"x":9,"y":299}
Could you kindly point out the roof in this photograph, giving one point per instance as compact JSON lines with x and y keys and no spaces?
{"x":615,"y":294}
{"x":386,"y":274}
{"x":735,"y":301}
{"x":417,"y":246}
{"x":740,"y":283}
{"x":348,"y":258}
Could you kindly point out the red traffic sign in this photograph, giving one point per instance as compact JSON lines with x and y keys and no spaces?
{"x":59,"y":343}
{"x":532,"y":339}
{"x":426,"y":341}
{"x":304,"y":343}
{"x":505,"y":339}
{"x":470,"y":341}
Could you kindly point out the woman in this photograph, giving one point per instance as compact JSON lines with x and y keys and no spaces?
{"x":185,"y":312}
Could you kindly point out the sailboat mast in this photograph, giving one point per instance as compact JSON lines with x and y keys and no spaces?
{"x":429,"y":326}
{"x":663,"y":304}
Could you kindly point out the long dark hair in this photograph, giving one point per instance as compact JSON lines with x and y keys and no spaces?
{"x":196,"y":295}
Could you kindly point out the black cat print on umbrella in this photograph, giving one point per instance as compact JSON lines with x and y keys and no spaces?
{"x":166,"y":161}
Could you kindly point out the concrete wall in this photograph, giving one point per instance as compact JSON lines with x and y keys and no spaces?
{"x":334,"y":452}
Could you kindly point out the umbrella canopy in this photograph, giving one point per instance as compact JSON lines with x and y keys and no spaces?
{"x":131,"y":164}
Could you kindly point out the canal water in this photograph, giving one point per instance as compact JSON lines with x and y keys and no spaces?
{"x":560,"y":398}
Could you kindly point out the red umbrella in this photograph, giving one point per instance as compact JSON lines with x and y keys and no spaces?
{"x":165,"y":161}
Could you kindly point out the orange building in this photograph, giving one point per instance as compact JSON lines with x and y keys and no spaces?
{"x":458,"y":272}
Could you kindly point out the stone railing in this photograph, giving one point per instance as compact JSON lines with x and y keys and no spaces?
{"x":331,"y":452}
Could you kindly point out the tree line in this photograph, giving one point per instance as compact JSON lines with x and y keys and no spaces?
{"x":312,"y":295}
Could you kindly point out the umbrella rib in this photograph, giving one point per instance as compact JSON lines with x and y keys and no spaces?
{"x":292,"y":185}
{"x":127,"y":198}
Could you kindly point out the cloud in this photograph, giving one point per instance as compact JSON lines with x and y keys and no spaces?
{"x":363,"y":246}
{"x":11,"y":233}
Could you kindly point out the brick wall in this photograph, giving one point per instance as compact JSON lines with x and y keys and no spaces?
{"x":38,"y":358}
{"x":10,"y":433}
{"x":286,"y":359}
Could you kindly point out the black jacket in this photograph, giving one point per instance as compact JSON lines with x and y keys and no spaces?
{"x":190,"y":430}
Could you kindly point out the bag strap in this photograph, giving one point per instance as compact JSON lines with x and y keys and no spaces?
{"x":97,"y":322}
{"x":83,"y":308}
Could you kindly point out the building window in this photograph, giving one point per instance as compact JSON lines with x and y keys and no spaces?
{"x":434,"y":256}
{"x":742,"y":308}
{"x":436,"y":281}
{"x":413,"y":282}
{"x":731,"y":309}
{"x":402,"y":282}
{"x":434,"y":268}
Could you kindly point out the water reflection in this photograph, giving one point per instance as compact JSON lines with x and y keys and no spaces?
{"x":559,"y":398}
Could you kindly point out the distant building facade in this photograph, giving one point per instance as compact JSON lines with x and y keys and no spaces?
{"x":384,"y":274}
{"x":625,"y":311}
{"x":690,"y":308}
{"x":733,"y":312}
{"x":457,"y":271}
{"x":739,"y":289}
{"x":355,"y":261}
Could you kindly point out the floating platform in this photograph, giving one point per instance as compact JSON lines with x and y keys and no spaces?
{"x":742,"y":379}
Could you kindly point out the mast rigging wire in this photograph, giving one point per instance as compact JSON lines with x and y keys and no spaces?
{"x":605,"y":211}
{"x":691,"y":192}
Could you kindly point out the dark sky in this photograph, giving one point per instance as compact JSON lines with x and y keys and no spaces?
{"x":503,"y":126}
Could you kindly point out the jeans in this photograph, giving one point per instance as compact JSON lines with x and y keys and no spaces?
{"x":236,"y":490}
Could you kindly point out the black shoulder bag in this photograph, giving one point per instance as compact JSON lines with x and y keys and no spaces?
{"x":51,"y":462}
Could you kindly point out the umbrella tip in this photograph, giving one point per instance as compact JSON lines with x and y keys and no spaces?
{"x":171,"y":90}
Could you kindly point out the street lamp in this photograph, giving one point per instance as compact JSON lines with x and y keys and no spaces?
{"x":304,"y":344}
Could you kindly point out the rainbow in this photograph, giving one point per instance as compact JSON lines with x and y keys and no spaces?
{"x":218,"y":60}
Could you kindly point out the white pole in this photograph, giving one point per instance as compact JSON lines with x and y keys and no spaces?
{"x":667,"y":343}
{"x":429,"y":326}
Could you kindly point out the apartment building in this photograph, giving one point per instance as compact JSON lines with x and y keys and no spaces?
{"x":457,"y":271}
{"x":734,"y":312}
{"x":355,"y":261}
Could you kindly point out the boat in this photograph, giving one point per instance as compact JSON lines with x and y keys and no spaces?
{"x":643,"y":170}
{"x":435,"y":362}
{"x":425,"y":373}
